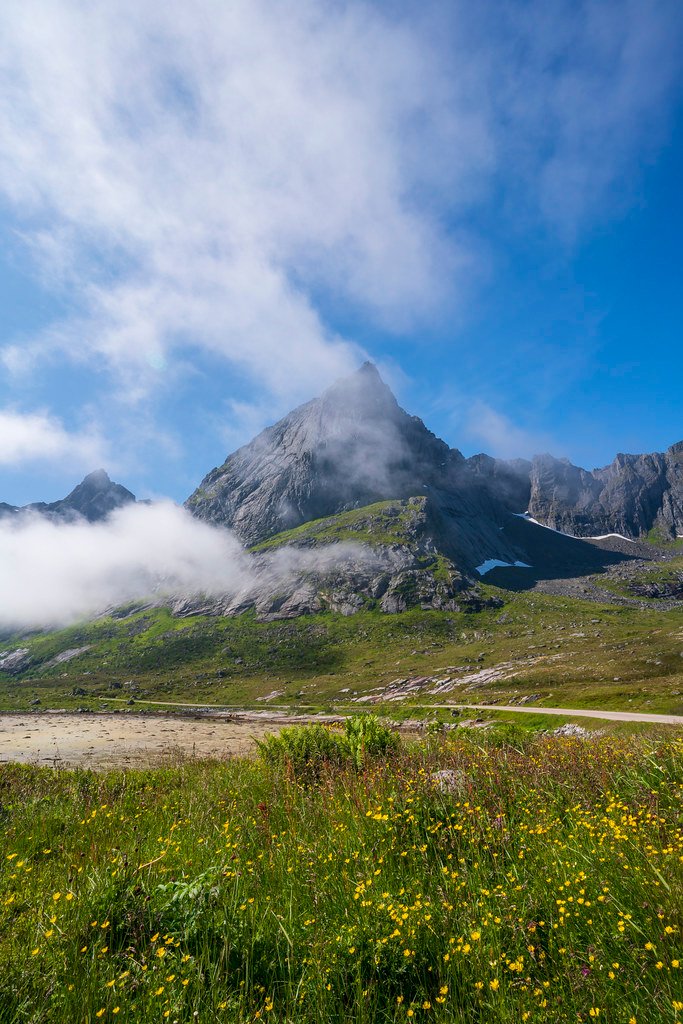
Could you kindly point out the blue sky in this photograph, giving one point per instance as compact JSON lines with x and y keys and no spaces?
{"x":209,"y":215}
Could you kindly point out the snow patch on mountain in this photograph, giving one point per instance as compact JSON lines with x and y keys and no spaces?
{"x":494,"y":563}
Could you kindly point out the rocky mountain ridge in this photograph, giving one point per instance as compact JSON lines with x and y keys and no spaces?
{"x":633,"y":496}
{"x":354,"y":445}
{"x":95,"y":498}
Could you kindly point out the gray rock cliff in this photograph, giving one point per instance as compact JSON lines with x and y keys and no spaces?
{"x":632,"y":496}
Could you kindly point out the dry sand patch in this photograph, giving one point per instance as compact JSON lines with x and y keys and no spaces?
{"x":122,"y":740}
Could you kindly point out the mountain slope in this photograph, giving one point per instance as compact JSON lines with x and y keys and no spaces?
{"x":354,"y":446}
{"x":381,"y":557}
{"x":349,"y":448}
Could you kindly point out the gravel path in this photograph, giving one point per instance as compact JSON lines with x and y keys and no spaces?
{"x":614,"y":716}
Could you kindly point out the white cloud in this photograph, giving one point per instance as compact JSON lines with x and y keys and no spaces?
{"x":200,"y":171}
{"x":33,"y":437}
{"x":214,"y":176}
{"x":52,"y":573}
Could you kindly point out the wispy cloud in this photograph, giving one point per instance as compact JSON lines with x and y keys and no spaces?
{"x":498,"y":435}
{"x":200,"y":173}
{"x":39,"y":437}
{"x":52,"y":573}
{"x":587,"y":90}
{"x":214,"y":176}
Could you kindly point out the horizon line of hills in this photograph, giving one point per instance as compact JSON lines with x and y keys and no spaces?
{"x":385,"y":515}
{"x":354,"y":445}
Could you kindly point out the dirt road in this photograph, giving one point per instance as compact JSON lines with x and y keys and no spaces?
{"x":613,"y":716}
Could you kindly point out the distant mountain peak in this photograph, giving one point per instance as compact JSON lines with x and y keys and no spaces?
{"x":99,"y":478}
{"x":93,"y":499}
{"x":96,"y":496}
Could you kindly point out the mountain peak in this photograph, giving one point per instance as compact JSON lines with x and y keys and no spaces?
{"x":352,"y":446}
{"x":94,"y":498}
{"x":363,"y":392}
{"x":99,"y":478}
{"x":369,"y":369}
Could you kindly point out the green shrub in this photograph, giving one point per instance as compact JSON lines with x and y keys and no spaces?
{"x":306,"y":749}
{"x":366,"y":738}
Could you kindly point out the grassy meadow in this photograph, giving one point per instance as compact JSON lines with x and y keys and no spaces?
{"x":567,"y":652}
{"x":545,"y":885}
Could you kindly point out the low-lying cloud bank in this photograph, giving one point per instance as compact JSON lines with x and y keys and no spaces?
{"x":53,"y":573}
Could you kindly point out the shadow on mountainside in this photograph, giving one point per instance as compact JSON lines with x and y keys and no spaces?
{"x":554,"y":556}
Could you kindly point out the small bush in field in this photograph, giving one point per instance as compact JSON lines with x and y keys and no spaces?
{"x":366,"y":738}
{"x":303,"y":749}
{"x":306,"y":748}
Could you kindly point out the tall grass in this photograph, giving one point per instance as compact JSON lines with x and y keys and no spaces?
{"x":545,"y":885}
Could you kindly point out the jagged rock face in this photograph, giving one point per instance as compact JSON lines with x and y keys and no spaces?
{"x":352,"y":446}
{"x":349,"y":448}
{"x":93,"y":499}
{"x":508,"y":480}
{"x":633,"y":495}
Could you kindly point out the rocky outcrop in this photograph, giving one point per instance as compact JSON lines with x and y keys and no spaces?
{"x":632,"y":496}
{"x":383,"y":557}
{"x":14,"y":662}
{"x":95,"y":498}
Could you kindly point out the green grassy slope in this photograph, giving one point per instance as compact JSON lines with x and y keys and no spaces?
{"x":558,"y":650}
{"x":385,"y":522}
{"x":570,"y":652}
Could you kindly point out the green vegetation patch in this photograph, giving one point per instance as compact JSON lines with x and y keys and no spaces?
{"x":652,"y":582}
{"x":658,"y":538}
{"x":306,"y":750}
{"x":385,"y":522}
{"x":559,"y":651}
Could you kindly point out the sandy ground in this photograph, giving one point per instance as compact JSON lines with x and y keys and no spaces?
{"x":126,"y":740}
